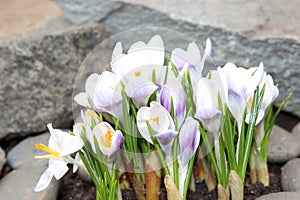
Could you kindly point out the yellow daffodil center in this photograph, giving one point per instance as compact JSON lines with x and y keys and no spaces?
{"x":137,"y":73}
{"x":52,"y":153}
{"x":155,"y":119}
{"x":107,"y":139}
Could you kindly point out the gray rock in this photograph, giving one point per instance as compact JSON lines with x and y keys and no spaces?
{"x":55,"y":22}
{"x":19,"y":184}
{"x":283,"y":146}
{"x":296,"y":130}
{"x":280,"y":196}
{"x":37,"y":73}
{"x":22,"y":155}
{"x":290,"y":176}
{"x":78,"y":11}
{"x":280,"y":54}
{"x":2,"y":159}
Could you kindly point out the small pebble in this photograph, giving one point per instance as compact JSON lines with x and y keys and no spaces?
{"x":20,"y":184}
{"x":280,"y":196}
{"x":22,"y":155}
{"x":2,"y":159}
{"x":283,"y":146}
{"x":290,"y":176}
{"x":296,"y":130}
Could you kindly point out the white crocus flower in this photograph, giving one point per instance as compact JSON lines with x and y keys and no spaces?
{"x":139,"y":54}
{"x":109,"y":140}
{"x":85,"y":99}
{"x":61,"y":145}
{"x":188,"y":140}
{"x":206,"y":99}
{"x":161,"y":123}
{"x":241,"y":86}
{"x":190,"y":60}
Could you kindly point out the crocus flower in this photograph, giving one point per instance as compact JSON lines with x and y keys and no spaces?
{"x":61,"y":145}
{"x":206,"y":99}
{"x":109,"y":140}
{"x":189,"y":139}
{"x":161,"y":123}
{"x":241,"y":86}
{"x":85,"y":99}
{"x":173,"y":90}
{"x":89,"y":117}
{"x":190,"y":60}
{"x":139,"y":54}
{"x":107,"y":96}
{"x":271,"y":91}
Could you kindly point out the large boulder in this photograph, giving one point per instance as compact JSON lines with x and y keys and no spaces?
{"x":241,"y":34}
{"x":37,"y":74}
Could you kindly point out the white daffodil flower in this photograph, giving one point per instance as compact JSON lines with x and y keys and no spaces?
{"x":139,"y":54}
{"x":161,"y":123}
{"x":61,"y":145}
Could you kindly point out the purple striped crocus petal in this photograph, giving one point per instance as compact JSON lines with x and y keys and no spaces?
{"x":140,"y":91}
{"x":173,"y":89}
{"x":108,"y":139}
{"x":165,"y":140}
{"x":189,"y":139}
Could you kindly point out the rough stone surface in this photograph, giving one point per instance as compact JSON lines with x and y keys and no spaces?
{"x":37,"y":74}
{"x":280,"y":55}
{"x":78,"y":11}
{"x":22,"y":155}
{"x":2,"y":159}
{"x":283,"y":146}
{"x":290,"y":176}
{"x":257,"y":19}
{"x":19,"y":184}
{"x":280,"y":196}
{"x":296,"y":130}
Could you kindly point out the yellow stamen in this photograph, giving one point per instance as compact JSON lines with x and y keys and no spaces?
{"x":250,"y":102}
{"x":137,"y":73}
{"x":42,"y":147}
{"x":107,"y":140}
{"x":155,"y":119}
{"x":90,"y":113}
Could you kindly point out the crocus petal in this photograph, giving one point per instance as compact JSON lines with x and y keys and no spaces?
{"x":77,"y":160}
{"x":139,"y":54}
{"x":189,"y":138}
{"x":91,"y":83}
{"x":82,"y":99}
{"x":58,"y":167}
{"x":70,"y":144}
{"x":140,"y":91}
{"x":260,"y":116}
{"x":208,"y":47}
{"x":107,"y":92}
{"x":165,"y":139}
{"x":44,"y":180}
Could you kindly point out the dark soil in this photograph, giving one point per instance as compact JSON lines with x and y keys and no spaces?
{"x":74,"y":188}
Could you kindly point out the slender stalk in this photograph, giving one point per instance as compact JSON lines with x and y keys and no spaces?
{"x":188,"y":176}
